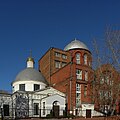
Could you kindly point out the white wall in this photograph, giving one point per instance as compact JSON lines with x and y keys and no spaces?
{"x":29,"y":85}
{"x":49,"y":103}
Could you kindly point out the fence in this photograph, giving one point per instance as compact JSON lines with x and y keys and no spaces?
{"x":13,"y":113}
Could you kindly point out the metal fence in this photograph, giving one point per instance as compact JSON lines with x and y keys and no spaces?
{"x":13,"y":113}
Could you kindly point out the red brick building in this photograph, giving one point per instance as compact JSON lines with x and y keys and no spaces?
{"x":69,"y":71}
{"x":107,"y":89}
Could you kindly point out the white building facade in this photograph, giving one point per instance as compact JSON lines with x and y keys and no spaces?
{"x":31,"y":96}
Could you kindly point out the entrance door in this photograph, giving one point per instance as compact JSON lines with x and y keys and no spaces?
{"x":88,"y":113}
{"x":36,"y":108}
{"x":6,"y":110}
{"x":56,"y":111}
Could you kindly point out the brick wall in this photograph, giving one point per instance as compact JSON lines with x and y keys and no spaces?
{"x":60,"y":77}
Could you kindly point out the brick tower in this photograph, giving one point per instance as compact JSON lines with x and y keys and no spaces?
{"x":69,"y":71}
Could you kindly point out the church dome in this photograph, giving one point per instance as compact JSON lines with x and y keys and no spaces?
{"x":29,"y":74}
{"x":75,"y":44}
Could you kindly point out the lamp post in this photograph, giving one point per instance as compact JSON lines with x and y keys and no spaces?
{"x":71,"y":62}
{"x":1,"y":112}
{"x":71,"y":75}
{"x":1,"y":107}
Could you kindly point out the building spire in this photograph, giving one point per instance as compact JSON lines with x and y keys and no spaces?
{"x":30,"y":61}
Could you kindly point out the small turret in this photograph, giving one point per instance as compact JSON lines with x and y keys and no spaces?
{"x":30,"y":61}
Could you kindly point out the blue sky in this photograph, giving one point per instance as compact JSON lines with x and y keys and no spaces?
{"x":41,"y":24}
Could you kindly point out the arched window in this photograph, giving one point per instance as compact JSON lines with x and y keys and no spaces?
{"x":85,"y":59}
{"x":86,"y":75}
{"x":78,"y":58}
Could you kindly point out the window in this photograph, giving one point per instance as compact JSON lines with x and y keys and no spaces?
{"x":111,"y":82}
{"x":36,"y":87}
{"x":78,"y":95}
{"x":78,"y":87}
{"x":78,"y":102}
{"x":106,"y":94}
{"x":36,"y":108}
{"x":63,"y":64}
{"x":79,"y":74}
{"x":110,"y":94}
{"x":85,"y":59}
{"x":86,"y":76}
{"x":22,"y":87}
{"x":78,"y":58}
{"x":85,"y":90}
{"x":57,"y":54}
{"x":107,"y":80}
{"x":55,"y":103}
{"x":101,"y":94}
{"x":57,"y":64}
{"x":101,"y":80}
{"x":43,"y":108}
{"x":13,"y":88}
{"x":64,"y":56}
{"x":5,"y":110}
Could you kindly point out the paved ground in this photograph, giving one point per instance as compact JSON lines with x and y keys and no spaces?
{"x":98,"y":118}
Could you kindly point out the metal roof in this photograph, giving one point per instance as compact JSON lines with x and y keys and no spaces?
{"x":75,"y":44}
{"x":30,"y":74}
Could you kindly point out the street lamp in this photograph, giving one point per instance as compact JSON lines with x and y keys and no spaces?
{"x":1,"y":109}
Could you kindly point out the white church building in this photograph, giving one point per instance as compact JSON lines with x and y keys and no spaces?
{"x":31,"y":96}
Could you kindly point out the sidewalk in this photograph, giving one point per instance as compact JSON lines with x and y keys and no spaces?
{"x":96,"y":118}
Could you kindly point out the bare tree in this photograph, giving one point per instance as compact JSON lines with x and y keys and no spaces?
{"x":112,"y":38}
{"x":107,"y":72}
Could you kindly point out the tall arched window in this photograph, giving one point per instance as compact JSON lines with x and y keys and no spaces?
{"x":86,"y":75}
{"x":85,"y":59}
{"x":78,"y":58}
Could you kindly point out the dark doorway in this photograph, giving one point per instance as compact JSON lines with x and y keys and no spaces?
{"x":88,"y":113}
{"x":6,"y":110}
{"x":36,"y":108}
{"x":55,"y":109}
